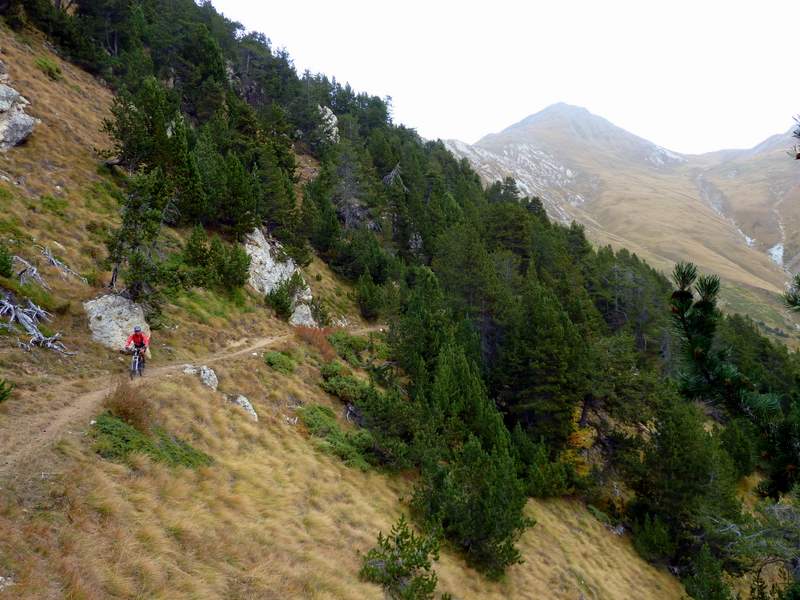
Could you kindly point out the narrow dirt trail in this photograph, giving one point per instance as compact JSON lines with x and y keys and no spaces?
{"x":26,"y":438}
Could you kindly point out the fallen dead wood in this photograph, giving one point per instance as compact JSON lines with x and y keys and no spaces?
{"x":58,"y":264}
{"x":28,"y":317}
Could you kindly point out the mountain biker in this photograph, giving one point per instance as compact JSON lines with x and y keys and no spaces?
{"x":138,"y":340}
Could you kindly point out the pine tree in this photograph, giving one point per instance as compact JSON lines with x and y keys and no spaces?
{"x":240,"y":207}
{"x":133,"y":247}
{"x":540,"y":375}
{"x":369,"y":297}
{"x":478,"y":502}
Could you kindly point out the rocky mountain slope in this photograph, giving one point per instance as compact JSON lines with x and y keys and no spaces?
{"x":734,"y":212}
{"x":271,"y":515}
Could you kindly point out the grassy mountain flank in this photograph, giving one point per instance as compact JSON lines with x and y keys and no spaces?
{"x":476,"y":402}
{"x":272,"y":516}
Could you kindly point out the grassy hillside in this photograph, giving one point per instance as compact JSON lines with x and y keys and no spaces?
{"x":272,"y":516}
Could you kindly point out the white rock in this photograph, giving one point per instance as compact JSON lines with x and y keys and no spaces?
{"x":302,"y":317}
{"x":269,"y":268}
{"x":8,"y":97}
{"x":245,"y":404}
{"x":15,"y":124}
{"x":112,"y":319}
{"x":208,"y":377}
{"x":190,"y":370}
{"x":266,"y":270}
{"x":5,"y":582}
{"x":329,"y":126}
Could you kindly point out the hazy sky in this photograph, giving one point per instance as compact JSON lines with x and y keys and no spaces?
{"x":692,"y":76}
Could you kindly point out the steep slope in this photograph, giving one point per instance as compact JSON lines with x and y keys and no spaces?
{"x":728,"y":211}
{"x":272,"y":517}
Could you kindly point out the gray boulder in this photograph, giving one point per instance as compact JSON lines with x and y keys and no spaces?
{"x":242,"y":401}
{"x":15,"y":124}
{"x":302,"y":316}
{"x":209,"y":377}
{"x":112,"y":319}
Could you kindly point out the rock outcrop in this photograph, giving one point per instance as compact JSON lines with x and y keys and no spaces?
{"x":15,"y":124}
{"x":329,"y":126}
{"x":270,"y":267}
{"x":242,"y":401}
{"x":112,"y":319}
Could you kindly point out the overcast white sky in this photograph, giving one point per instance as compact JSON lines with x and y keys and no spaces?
{"x":692,"y":76}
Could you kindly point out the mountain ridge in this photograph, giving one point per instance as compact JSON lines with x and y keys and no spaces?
{"x":731,"y":210}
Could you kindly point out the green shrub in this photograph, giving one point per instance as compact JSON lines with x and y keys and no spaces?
{"x":280,"y":361}
{"x":354,"y":448}
{"x":705,"y":582}
{"x":215,"y":264}
{"x":333,"y":369}
{"x":57,"y":206}
{"x":281,"y":299}
{"x":5,"y":390}
{"x":348,"y":389}
{"x":49,"y":68}
{"x":653,"y":539}
{"x":6,"y":262}
{"x":401,"y":563}
{"x":349,"y":347}
{"x":117,"y":440}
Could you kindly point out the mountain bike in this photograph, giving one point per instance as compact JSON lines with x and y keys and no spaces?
{"x":137,"y":363}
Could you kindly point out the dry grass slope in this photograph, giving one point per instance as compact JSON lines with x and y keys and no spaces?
{"x":272,"y":518}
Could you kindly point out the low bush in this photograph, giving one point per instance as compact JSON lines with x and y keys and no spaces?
{"x":117,"y":440}
{"x":281,"y":299}
{"x":349,"y":347}
{"x":5,"y":390}
{"x":48,"y":67}
{"x":6,"y":262}
{"x":280,"y":361}
{"x":347,"y":388}
{"x":354,"y":448}
{"x":317,"y":339}
{"x":402,"y":563}
{"x":127,"y":403}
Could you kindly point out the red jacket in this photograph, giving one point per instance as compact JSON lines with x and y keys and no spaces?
{"x":137,"y":339}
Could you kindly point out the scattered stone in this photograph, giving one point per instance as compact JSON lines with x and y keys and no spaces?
{"x":245,"y":404}
{"x":190,"y":370}
{"x":5,"y":582}
{"x":15,"y":124}
{"x":112,"y":319}
{"x":208,"y":377}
